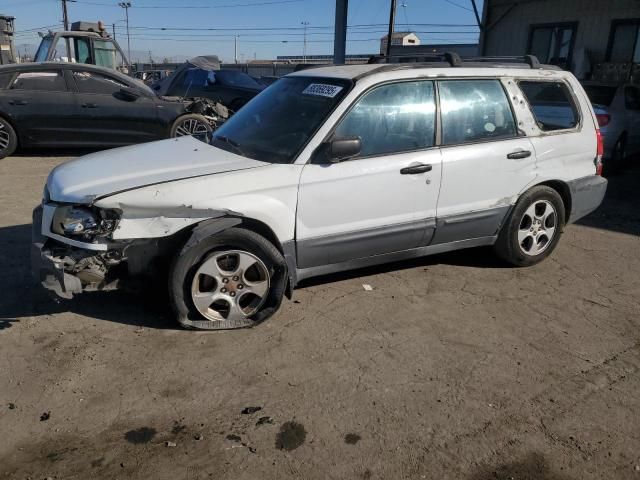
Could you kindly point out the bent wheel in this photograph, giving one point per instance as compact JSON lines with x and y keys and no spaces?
{"x":231,"y":279}
{"x":230,"y":285}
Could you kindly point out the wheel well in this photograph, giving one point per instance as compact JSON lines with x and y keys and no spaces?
{"x":262,"y":229}
{"x":564,"y":192}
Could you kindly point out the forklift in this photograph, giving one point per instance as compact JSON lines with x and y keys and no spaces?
{"x":86,"y":42}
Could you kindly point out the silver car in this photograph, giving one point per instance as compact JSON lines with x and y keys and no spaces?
{"x":617,"y":109}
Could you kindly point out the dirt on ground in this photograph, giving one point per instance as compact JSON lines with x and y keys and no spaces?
{"x":451,"y":367}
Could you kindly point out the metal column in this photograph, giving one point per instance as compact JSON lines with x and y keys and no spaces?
{"x":340,"y":38}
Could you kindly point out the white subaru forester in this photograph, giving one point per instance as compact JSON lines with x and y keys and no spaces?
{"x":329,"y":169}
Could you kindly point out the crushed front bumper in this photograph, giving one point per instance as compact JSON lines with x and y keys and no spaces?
{"x":45,"y":269}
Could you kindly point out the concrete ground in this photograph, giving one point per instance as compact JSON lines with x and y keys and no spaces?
{"x":452,"y":367}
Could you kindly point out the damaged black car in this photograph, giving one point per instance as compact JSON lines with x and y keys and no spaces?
{"x":69,"y":105}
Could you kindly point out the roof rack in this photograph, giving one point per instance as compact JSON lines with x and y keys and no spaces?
{"x":453,"y":59}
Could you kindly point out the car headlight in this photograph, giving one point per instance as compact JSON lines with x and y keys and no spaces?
{"x":79,"y":221}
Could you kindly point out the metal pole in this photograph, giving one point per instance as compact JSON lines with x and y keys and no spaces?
{"x":475,"y":11}
{"x":304,"y":45}
{"x":65,"y":17}
{"x":127,"y":6}
{"x":113,"y":26}
{"x":126,"y":10}
{"x":340,"y":35}
{"x":235,"y":52}
{"x":392,"y":21}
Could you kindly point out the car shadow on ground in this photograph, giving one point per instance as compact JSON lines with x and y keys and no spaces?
{"x":22,"y":297}
{"x":620,"y":210}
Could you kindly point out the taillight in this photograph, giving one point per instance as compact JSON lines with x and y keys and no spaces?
{"x":599,"y":152}
{"x":603,"y":119}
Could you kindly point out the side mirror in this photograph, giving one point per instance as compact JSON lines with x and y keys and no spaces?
{"x":344,"y":148}
{"x":128,"y":94}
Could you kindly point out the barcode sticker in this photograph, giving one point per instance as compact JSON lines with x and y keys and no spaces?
{"x":322,"y":90}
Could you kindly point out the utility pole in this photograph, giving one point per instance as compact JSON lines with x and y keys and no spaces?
{"x":340,"y":35}
{"x":304,"y":45}
{"x":235,"y":48}
{"x":113,"y":27}
{"x":392,"y":21}
{"x":127,"y":6}
{"x":475,"y":11}
{"x":65,"y":20}
{"x":65,"y":15}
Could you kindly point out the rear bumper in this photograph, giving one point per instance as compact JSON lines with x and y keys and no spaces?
{"x":587,"y":194}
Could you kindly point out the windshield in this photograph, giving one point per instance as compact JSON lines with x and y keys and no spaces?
{"x":43,"y":49}
{"x":276,"y":125}
{"x":601,"y":94}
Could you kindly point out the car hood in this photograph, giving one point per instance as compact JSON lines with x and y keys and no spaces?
{"x":105,"y":173}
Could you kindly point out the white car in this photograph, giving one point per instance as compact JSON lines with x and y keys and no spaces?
{"x":617,"y":109}
{"x":329,"y":169}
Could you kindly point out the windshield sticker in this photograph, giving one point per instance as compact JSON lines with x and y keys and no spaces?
{"x":322,"y":90}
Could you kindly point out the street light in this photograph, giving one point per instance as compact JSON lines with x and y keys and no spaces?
{"x":127,"y":6}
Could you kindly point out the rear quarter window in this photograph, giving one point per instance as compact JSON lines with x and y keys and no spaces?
{"x":551,"y":104}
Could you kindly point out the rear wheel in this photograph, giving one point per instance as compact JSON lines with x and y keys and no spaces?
{"x":8,"y":139}
{"x":619,"y":153}
{"x":533,"y":229}
{"x":230,"y":280}
{"x":191,"y":125}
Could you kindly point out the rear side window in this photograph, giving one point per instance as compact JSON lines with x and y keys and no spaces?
{"x":44,"y":80}
{"x":474,"y":110}
{"x":393,"y":118}
{"x":551,"y":104}
{"x":5,"y":78}
{"x":91,"y":82}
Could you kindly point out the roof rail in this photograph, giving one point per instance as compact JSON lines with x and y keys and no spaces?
{"x":454,"y":59}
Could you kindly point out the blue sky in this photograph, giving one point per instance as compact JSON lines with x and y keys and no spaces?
{"x":225,"y":18}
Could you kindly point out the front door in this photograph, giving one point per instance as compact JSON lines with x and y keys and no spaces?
{"x":107,"y":118}
{"x":485,"y":162}
{"x":384,"y":199}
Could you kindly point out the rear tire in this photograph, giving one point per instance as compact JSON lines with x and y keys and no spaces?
{"x":619,"y":154}
{"x":533,"y":228}
{"x":233,"y":279}
{"x":8,"y":139}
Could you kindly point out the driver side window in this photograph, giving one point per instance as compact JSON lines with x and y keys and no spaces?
{"x":394,"y":118}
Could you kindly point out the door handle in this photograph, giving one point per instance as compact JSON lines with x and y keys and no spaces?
{"x":519,"y":154}
{"x":89,"y":105}
{"x":415,"y":169}
{"x":18,"y":102}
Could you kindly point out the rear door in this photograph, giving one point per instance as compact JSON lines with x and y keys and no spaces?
{"x":485,"y":161}
{"x":42,"y":107}
{"x":105,"y":117}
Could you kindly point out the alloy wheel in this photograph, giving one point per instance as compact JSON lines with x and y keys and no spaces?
{"x":537,"y":227}
{"x":230,"y":285}
{"x":191,"y":127}
{"x":4,"y":137}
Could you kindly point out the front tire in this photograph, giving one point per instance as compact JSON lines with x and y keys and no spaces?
{"x":8,"y":139}
{"x":234,"y":279}
{"x":533,"y":228}
{"x":193,"y":125}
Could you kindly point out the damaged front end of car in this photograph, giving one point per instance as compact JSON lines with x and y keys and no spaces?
{"x":73,"y":251}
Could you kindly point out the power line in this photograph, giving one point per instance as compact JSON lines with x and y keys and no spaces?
{"x":181,"y":7}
